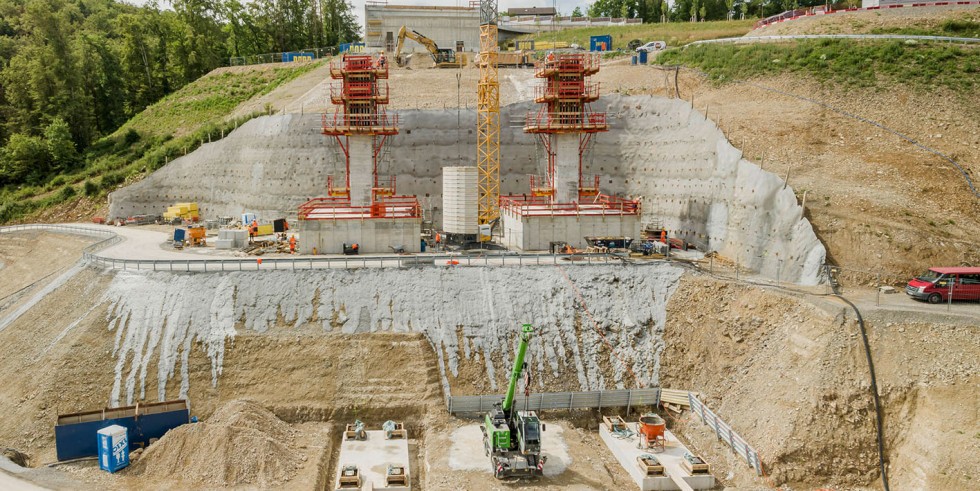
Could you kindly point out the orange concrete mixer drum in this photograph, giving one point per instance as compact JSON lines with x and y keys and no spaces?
{"x":652,"y":426}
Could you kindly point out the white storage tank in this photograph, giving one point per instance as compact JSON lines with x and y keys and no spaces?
{"x":459,"y":200}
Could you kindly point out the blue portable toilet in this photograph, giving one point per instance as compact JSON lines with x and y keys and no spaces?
{"x":113,"y":448}
{"x":422,"y":245}
{"x":600,"y":43}
{"x":643,"y":57}
{"x":633,"y":60}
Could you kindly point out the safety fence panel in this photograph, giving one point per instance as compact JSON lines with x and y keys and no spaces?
{"x":558,"y":400}
{"x":725,"y":433}
{"x":219,"y":264}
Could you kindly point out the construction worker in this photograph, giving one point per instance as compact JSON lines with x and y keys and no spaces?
{"x":550,"y":58}
{"x":381,"y":60}
{"x":292,"y":244}
{"x":253,"y":230}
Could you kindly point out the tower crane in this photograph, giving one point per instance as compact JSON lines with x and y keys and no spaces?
{"x":488,"y":119}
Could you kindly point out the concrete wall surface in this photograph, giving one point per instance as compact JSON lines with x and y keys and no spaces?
{"x":370,"y":235}
{"x":661,"y":150}
{"x":444,"y":25}
{"x":535,"y":233}
{"x":469,"y":315}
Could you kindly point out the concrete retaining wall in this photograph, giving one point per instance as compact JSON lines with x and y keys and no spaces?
{"x":682,"y":166}
{"x":535,"y":233}
{"x":370,"y":235}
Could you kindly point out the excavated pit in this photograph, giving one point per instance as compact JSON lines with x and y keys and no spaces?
{"x":678,"y":161}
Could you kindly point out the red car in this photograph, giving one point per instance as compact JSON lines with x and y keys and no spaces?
{"x":936,"y":284}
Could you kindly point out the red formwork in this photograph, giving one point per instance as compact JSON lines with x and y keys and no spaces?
{"x":601,"y":204}
{"x":338,"y":208}
{"x":360,"y":99}
{"x":565,"y":97}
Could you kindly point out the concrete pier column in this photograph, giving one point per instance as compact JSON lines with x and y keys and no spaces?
{"x":361,"y":169}
{"x":566,"y":167}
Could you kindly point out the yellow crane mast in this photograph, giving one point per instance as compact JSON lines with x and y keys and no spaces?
{"x":488,"y":117}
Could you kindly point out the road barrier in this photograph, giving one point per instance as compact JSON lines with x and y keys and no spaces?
{"x":725,"y":433}
{"x":218,"y":264}
{"x":596,"y":399}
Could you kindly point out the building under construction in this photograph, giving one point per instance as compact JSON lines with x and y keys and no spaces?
{"x":566,"y":205}
{"x":362,"y":206}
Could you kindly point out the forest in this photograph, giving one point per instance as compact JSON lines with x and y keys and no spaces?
{"x":73,"y":71}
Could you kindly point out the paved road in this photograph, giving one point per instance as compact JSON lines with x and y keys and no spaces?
{"x":9,"y":482}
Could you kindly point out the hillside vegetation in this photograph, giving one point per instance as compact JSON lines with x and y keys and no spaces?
{"x":674,"y":33}
{"x":845,"y":62}
{"x":175,"y":125}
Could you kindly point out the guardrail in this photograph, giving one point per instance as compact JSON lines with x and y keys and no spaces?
{"x":725,"y":433}
{"x":350,"y":262}
{"x":559,"y":400}
{"x":316,"y":262}
{"x":111,"y":237}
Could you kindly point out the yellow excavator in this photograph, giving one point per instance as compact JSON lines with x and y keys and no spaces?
{"x":444,"y":57}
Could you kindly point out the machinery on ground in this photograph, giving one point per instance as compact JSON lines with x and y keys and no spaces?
{"x":443,"y":57}
{"x":511,"y":438}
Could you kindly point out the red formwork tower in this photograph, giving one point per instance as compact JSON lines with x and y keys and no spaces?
{"x":566,"y":96}
{"x":361,"y":127}
{"x":360,"y":97}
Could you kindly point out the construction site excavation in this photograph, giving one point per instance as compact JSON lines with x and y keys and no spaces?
{"x":443,"y":270}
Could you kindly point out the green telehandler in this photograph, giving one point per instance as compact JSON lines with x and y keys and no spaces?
{"x":511,"y":438}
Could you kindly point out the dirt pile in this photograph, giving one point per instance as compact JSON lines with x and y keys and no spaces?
{"x":242,"y":444}
{"x":792,"y":379}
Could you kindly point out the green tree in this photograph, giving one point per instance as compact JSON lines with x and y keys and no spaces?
{"x":577,"y":12}
{"x":60,"y":147}
{"x":25,"y":158}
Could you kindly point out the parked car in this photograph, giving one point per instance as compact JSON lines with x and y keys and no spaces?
{"x":936,"y":284}
{"x":653,"y":46}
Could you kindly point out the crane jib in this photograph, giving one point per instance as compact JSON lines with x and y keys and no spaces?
{"x":526,"y":332}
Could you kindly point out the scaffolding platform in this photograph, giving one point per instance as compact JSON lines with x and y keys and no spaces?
{"x":672,"y":473}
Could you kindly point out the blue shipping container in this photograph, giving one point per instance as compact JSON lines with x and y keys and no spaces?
{"x":352,"y":47}
{"x":75,"y":434}
{"x":113,"y":448}
{"x":298,"y":56}
{"x":600,"y":43}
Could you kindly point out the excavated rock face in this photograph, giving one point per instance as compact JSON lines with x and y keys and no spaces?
{"x":471,"y":316}
{"x":660,"y":150}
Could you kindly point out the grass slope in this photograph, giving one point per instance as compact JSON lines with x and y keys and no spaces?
{"x":848,"y":63}
{"x":674,"y":33}
{"x":174,"y":126}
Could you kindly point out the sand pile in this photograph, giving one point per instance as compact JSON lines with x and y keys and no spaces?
{"x":242,"y":444}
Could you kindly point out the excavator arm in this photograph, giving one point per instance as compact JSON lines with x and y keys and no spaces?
{"x":441,"y":57}
{"x":429,"y":44}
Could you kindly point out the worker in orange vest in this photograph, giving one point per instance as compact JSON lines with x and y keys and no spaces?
{"x":550,"y":58}
{"x":663,"y":236}
{"x":253,"y":230}
{"x":292,"y":244}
